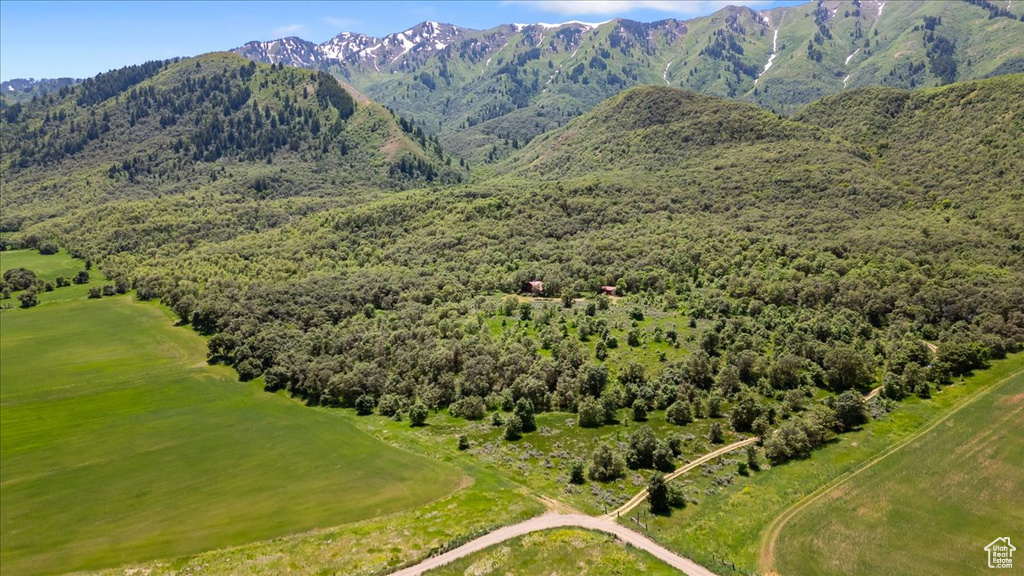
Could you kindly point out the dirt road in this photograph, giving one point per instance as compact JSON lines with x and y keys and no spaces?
{"x":642,"y":495}
{"x":606,"y":523}
{"x":549,"y":521}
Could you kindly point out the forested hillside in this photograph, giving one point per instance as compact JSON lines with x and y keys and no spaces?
{"x":811,"y":252}
{"x":22,"y":89}
{"x":168,"y":144}
{"x":486,"y":93}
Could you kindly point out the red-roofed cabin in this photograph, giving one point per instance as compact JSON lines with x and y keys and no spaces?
{"x":608,"y":290}
{"x":535,"y":287}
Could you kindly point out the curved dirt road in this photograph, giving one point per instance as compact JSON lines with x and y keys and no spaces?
{"x":605,"y":523}
{"x":636,"y":500}
{"x":549,"y":521}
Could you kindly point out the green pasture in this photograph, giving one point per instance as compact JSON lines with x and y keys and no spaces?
{"x":931,"y":506}
{"x":733,"y":511}
{"x":49,"y":267}
{"x":369,"y":547}
{"x":121,"y":444}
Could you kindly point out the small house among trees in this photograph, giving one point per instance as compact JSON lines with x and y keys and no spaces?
{"x":608,"y":290}
{"x":535,"y":287}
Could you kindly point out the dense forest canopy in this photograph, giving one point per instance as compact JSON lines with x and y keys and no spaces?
{"x":265,"y":206}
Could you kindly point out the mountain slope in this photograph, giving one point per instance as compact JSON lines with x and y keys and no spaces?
{"x":785,"y":241}
{"x":23,"y":89}
{"x":216,"y":124}
{"x":485,"y":91}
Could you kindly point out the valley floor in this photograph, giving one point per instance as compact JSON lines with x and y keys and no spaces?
{"x":122,"y":445}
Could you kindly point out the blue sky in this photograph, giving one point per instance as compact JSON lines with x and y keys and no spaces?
{"x":81,"y":39}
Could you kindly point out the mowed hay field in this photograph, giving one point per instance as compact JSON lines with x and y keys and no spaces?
{"x":119,"y":444}
{"x":560,"y":551}
{"x":930,"y":507}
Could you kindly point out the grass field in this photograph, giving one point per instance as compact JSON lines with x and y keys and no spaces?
{"x":562,"y":551}
{"x":935,"y":503}
{"x":48,"y":268}
{"x":734,"y":511}
{"x":121,"y":444}
{"x":369,"y":547}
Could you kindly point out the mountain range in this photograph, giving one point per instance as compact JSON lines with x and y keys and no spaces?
{"x":485,"y":92}
{"x":22,"y":89}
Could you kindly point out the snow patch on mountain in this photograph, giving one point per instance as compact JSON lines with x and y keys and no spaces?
{"x":427,"y":37}
{"x":771,"y":57}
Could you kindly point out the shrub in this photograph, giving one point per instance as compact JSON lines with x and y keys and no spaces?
{"x":676,"y":496}
{"x":513,"y":427}
{"x":761,"y":426}
{"x":641,"y":448}
{"x":28,"y":299}
{"x":470,"y":408}
{"x":463,"y":442}
{"x":390,"y":405}
{"x":752,"y":459}
{"x":892,"y":387}
{"x":605,"y":464}
{"x":524,"y":410}
{"x":576,"y":472}
{"x":590,"y":413}
{"x":675,"y":443}
{"x":639,"y":410}
{"x":716,"y":435}
{"x":364,"y":405}
{"x":786,"y":443}
{"x":610,"y":403}
{"x":715,"y":406}
{"x":679,"y":413}
{"x":850,"y":410}
{"x":418,"y":414}
{"x":663,"y":458}
{"x":657,"y":494}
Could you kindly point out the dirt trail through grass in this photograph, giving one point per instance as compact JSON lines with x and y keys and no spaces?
{"x":636,"y":500}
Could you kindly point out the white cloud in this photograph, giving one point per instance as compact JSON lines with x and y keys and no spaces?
{"x":340,"y":23}
{"x":289,"y":30}
{"x":621,"y":7}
